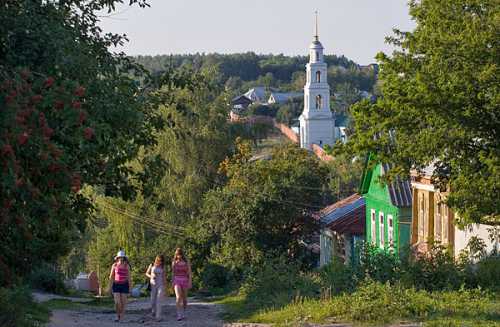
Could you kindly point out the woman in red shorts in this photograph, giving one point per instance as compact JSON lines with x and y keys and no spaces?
{"x":181,"y":281}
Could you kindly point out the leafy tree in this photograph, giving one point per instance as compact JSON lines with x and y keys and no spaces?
{"x":264,"y":208}
{"x":344,"y":174}
{"x":440,"y":104}
{"x":290,"y":112}
{"x":69,"y":116}
{"x":345,"y":96}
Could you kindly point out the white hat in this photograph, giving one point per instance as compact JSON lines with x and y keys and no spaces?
{"x":120,"y":254}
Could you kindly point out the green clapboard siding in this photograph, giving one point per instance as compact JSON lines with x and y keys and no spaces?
{"x":377,"y":198}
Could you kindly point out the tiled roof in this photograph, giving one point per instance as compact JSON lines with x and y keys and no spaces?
{"x":399,"y":190}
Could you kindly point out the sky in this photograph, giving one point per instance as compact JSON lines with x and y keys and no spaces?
{"x":354,"y":28}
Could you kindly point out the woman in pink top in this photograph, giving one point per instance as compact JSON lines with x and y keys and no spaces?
{"x":181,"y":281}
{"x":120,"y":279}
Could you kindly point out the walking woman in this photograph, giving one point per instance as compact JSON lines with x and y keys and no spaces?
{"x":120,"y":278}
{"x":181,"y":281}
{"x":158,"y":282}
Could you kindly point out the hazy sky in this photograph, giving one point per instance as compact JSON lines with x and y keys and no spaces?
{"x":354,"y":28}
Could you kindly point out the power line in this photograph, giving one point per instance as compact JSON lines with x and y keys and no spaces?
{"x":150,"y":218}
{"x":155,"y":226}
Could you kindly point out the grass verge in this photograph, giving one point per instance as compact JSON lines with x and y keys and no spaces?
{"x":376,"y":304}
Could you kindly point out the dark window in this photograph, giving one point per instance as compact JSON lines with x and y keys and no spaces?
{"x":318,"y":76}
{"x":319,"y":101}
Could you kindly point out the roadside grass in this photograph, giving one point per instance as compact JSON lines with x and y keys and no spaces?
{"x":376,"y":304}
{"x":38,"y":313}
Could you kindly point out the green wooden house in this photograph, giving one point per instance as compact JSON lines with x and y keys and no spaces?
{"x":388,"y":209}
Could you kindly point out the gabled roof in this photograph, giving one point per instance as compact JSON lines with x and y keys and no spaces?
{"x":258,"y":93}
{"x":399,"y":189}
{"x":243,"y":98}
{"x":346,"y":215}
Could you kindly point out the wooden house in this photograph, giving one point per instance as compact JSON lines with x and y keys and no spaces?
{"x":434,"y":222}
{"x":241,"y":102}
{"x":388,"y":209}
{"x":257,"y":94}
{"x":342,"y":226}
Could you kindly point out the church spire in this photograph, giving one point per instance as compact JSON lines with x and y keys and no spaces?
{"x":316,"y":36}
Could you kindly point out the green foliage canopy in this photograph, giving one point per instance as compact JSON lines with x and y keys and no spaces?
{"x":441,"y":102}
{"x":265,"y":207}
{"x":69,"y":115}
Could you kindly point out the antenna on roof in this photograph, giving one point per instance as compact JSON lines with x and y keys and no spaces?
{"x":316,"y":36}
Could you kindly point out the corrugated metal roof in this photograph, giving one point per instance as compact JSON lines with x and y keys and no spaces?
{"x":280,"y":97}
{"x":399,"y":190}
{"x":341,"y":208}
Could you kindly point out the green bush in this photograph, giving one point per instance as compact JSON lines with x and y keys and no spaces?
{"x":17,"y":309}
{"x":277,"y":282}
{"x":214,"y":276}
{"x":48,"y":279}
{"x":434,"y":270}
{"x":488,"y":273}
{"x":376,"y":264}
{"x":336,"y":278}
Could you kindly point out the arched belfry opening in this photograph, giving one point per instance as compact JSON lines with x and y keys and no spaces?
{"x":318,"y":77}
{"x":319,"y":101}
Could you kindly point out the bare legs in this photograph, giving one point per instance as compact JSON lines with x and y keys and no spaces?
{"x":180,"y":301}
{"x":120,"y":304}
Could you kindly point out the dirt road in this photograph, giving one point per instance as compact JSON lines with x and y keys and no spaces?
{"x":199,"y":314}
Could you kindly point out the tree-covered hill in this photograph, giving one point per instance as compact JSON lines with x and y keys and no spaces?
{"x":269,"y":70}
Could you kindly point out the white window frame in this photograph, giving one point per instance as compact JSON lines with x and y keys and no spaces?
{"x":381,"y":230}
{"x":390,"y":231}
{"x":373,"y":227}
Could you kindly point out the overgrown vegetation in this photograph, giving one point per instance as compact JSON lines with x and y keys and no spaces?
{"x":378,"y":289}
{"x":440,"y":104}
{"x":17,"y":309}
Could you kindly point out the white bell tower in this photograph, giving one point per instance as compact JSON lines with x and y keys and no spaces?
{"x":316,"y":122}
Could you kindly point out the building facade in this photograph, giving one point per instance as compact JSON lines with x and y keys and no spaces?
{"x":388,"y":210}
{"x":342,"y":227}
{"x":434,"y":223}
{"x":316,"y":121}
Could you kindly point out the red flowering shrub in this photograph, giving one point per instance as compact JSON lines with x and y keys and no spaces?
{"x":39,"y":168}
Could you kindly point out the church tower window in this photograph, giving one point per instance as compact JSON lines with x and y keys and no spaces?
{"x":319,"y":101}
{"x":318,"y":77}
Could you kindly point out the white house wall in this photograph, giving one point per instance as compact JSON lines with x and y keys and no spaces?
{"x":462,"y":237}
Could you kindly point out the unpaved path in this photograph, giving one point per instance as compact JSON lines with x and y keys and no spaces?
{"x":198,"y":314}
